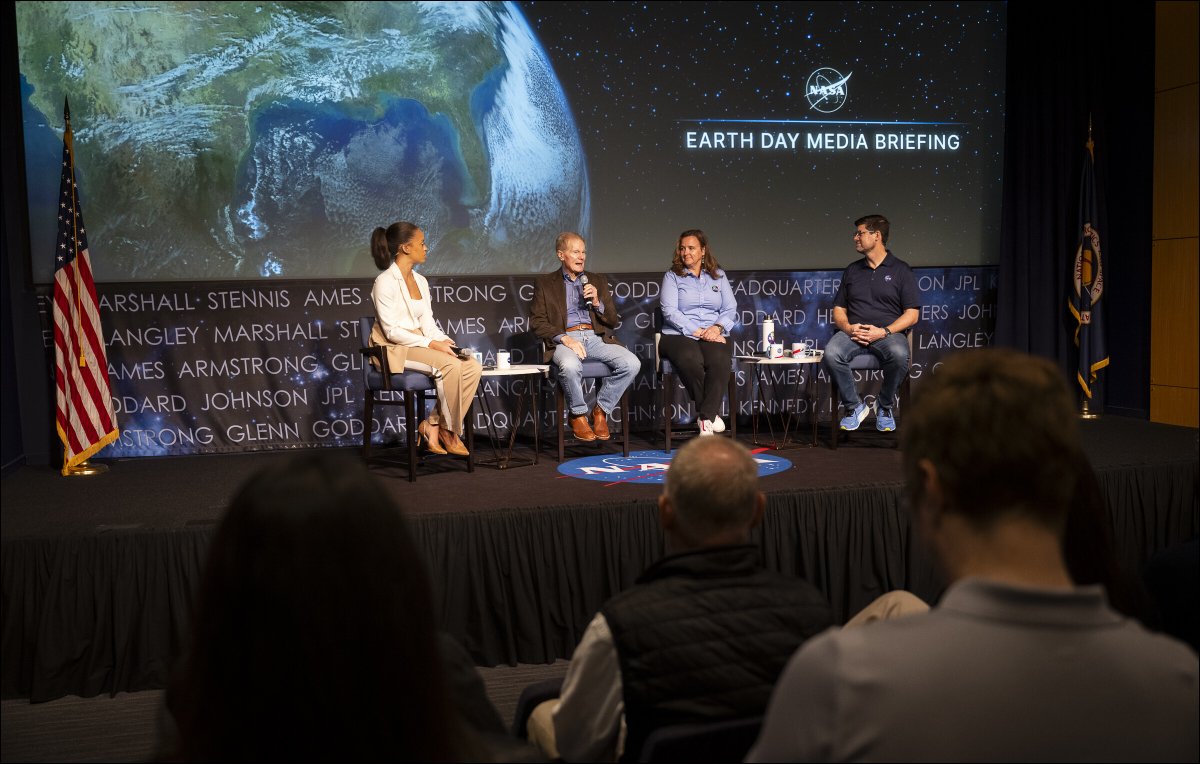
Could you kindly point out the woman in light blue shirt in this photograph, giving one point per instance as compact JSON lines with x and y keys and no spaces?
{"x":699,"y":311}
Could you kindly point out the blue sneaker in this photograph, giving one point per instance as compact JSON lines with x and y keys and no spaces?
{"x":852,"y":420}
{"x":884,"y":420}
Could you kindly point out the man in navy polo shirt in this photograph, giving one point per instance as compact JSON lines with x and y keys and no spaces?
{"x":873,"y":309}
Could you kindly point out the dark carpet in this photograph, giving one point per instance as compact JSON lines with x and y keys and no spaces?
{"x":177,"y":492}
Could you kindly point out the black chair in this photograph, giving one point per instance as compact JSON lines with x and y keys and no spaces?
{"x":594,"y":370}
{"x":665,"y":371}
{"x":868,"y":362}
{"x":382,"y":387}
{"x":531,"y":696}
{"x":705,"y":741}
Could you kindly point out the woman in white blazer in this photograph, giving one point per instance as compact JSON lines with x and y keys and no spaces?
{"x":404,"y":325}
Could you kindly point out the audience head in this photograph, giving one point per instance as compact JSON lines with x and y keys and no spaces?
{"x":996,"y":430}
{"x":708,"y":262}
{"x":314,"y":632}
{"x":876,"y":223}
{"x":386,"y":242}
{"x":711,"y":495}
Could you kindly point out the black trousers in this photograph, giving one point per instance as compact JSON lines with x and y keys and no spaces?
{"x":703,"y":368}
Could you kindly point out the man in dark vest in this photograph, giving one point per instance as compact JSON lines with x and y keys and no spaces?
{"x":702,"y":635}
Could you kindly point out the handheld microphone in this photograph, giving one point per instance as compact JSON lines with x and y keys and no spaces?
{"x":583,"y":279}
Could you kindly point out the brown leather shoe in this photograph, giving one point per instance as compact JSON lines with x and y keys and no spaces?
{"x":581,"y":428}
{"x":600,"y":424}
{"x":453,"y":444}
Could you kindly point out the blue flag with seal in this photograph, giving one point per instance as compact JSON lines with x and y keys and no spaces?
{"x":1088,"y":279}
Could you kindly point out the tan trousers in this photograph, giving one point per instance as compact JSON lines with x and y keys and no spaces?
{"x":895,"y":604}
{"x":456,"y":381}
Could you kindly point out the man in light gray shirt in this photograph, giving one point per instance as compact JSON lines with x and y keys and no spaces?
{"x":1016,"y":663}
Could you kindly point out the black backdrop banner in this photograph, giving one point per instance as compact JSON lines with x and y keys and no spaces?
{"x":213,"y":367}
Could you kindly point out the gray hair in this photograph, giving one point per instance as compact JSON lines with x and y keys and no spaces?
{"x":713,"y":485}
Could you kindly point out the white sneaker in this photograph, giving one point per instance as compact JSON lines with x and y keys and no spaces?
{"x":706,"y":428}
{"x":718,"y":424}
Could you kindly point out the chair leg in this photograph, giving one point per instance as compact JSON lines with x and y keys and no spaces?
{"x":835,"y":434}
{"x":559,"y":403}
{"x":410,"y":423}
{"x":733,"y":400}
{"x":368,"y":409}
{"x":625,"y":421}
{"x":906,"y":396}
{"x":470,"y":428}
{"x":668,"y":384}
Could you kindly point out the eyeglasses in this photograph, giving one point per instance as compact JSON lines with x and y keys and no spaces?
{"x":860,"y":234}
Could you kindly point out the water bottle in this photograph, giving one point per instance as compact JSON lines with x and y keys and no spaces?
{"x":768,"y":335}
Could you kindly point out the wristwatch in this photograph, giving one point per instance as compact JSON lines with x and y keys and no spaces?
{"x":887,"y":332}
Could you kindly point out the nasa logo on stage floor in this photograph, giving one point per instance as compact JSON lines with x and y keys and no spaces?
{"x":647,"y":467}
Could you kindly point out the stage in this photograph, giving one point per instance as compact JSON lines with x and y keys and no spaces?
{"x":98,"y":572}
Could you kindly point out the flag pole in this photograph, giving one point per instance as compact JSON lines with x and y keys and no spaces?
{"x":1084,"y":303}
{"x":84,"y":416}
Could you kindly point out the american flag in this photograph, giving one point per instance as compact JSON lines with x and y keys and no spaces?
{"x":86,"y":422}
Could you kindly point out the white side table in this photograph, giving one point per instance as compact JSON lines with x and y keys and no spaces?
{"x":758,"y":401}
{"x":534,"y":374}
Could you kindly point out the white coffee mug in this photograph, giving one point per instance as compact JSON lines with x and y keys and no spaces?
{"x":776,"y":350}
{"x":502,"y":361}
{"x":797,"y":349}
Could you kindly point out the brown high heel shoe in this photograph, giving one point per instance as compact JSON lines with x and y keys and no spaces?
{"x":455,"y":447}
{"x":431,"y":441}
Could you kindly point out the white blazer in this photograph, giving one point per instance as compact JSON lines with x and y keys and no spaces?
{"x":402,"y":322}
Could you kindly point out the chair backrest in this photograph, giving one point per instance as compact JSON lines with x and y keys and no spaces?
{"x":728,"y":740}
{"x":364,"y":329}
{"x":372,"y":378}
{"x":401,"y":380}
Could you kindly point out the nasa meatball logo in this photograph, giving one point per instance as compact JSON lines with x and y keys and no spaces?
{"x":826,"y":90}
{"x":648,"y":467}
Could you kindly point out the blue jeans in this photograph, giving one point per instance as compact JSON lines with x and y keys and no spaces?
{"x":568,"y":369}
{"x":892,"y":352}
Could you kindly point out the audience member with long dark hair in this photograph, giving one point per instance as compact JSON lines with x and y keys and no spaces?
{"x":314,"y":635}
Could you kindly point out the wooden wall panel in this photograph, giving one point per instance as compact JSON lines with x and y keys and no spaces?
{"x":1176,"y":162}
{"x":1176,"y":60}
{"x":1174,"y":405}
{"x":1174,"y":320}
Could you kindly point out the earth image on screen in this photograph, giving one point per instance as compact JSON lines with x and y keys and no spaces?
{"x":230,"y":140}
